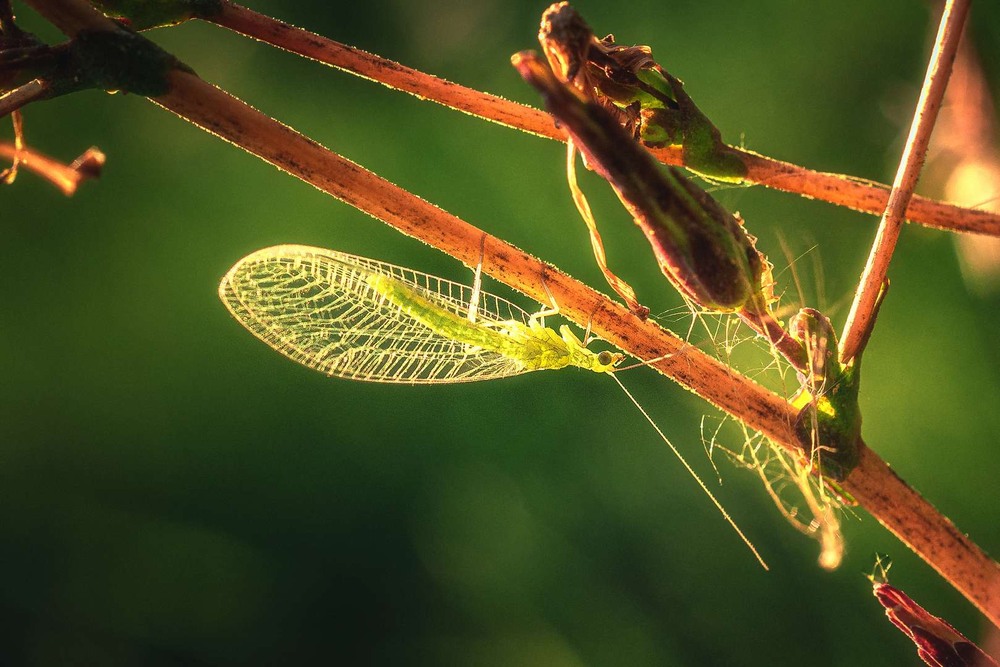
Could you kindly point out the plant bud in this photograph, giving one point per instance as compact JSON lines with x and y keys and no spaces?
{"x":702,"y":248}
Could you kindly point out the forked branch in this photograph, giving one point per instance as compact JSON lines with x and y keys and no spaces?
{"x":66,"y":177}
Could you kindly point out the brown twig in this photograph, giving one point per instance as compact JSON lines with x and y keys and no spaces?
{"x":873,"y":278}
{"x":884,"y":494}
{"x":13,"y":100}
{"x":8,"y":175}
{"x":858,"y":194}
{"x":865,"y":196}
{"x":65,"y":177}
{"x":384,"y":71}
{"x":72,"y":16}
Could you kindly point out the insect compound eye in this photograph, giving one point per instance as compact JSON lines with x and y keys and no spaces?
{"x":605,"y":358}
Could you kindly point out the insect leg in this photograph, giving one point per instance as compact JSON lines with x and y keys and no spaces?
{"x":553,"y":309}
{"x":477,"y":282}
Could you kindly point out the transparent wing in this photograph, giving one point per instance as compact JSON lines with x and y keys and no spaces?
{"x":316,"y":307}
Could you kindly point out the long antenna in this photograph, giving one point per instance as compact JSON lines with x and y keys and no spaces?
{"x":718,"y":505}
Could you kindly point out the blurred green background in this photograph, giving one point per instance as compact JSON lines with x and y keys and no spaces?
{"x":174,"y":492}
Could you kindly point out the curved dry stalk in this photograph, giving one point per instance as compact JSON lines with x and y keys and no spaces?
{"x":861,"y":318}
{"x":66,"y":177}
{"x":381,"y":70}
{"x":855,"y":193}
{"x":898,"y":507}
{"x":863,"y":195}
{"x":11,"y":101}
{"x":7,"y":176}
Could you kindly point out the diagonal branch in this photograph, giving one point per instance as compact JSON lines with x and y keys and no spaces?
{"x":65,"y":177}
{"x":12,"y":100}
{"x":873,"y":279}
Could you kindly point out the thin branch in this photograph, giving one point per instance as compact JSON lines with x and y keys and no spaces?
{"x":73,"y":16}
{"x":873,"y":279}
{"x":23,"y":95}
{"x":865,"y":196}
{"x":858,"y":194}
{"x":381,"y":70}
{"x":8,"y":175}
{"x":65,"y":177}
